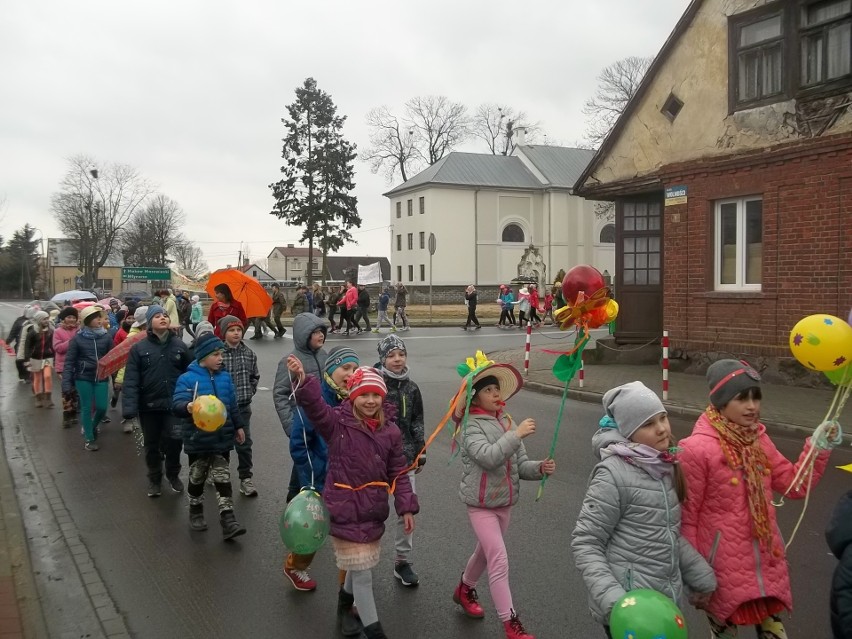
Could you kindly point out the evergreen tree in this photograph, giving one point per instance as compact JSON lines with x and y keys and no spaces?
{"x":318,"y":173}
{"x":19,"y":268}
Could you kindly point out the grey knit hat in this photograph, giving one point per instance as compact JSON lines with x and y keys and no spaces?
{"x":338,"y":356}
{"x":202,"y":328}
{"x":630,"y":406}
{"x":388,"y":344}
{"x":729,"y":378}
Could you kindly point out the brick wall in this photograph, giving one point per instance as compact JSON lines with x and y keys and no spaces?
{"x":807,"y":247}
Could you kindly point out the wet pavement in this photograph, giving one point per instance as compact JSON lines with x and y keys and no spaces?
{"x":163,"y":581}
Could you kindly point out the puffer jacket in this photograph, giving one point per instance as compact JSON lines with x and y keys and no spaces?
{"x":81,"y":360}
{"x":197,"y":381}
{"x":62,"y":337}
{"x":494,"y":461}
{"x":300,"y":304}
{"x":405,"y":395}
{"x":39,"y":343}
{"x":838,"y":534}
{"x":313,"y":361}
{"x":358,"y":456}
{"x":349,"y":299}
{"x":401,"y":297}
{"x":628,"y":536}
{"x":717,"y":523}
{"x":151,"y":373}
{"x":308,"y":450}
{"x":171,"y":309}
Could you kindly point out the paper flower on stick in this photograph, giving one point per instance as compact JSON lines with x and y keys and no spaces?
{"x":473,"y":364}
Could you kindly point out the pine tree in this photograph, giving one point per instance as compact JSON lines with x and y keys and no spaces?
{"x":318,"y":174}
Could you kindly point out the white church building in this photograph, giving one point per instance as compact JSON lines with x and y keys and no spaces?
{"x":486,"y":211}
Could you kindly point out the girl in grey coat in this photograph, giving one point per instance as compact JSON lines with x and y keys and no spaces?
{"x":628,"y":533}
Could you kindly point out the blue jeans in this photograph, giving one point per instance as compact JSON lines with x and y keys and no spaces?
{"x":92,"y":392}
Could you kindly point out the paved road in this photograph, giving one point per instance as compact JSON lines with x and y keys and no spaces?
{"x":169,"y":583}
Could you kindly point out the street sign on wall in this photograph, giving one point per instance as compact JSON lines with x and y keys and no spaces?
{"x":145,"y":273}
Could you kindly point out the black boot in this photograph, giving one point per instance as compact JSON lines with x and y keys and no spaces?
{"x":196,"y":517}
{"x":350,"y":625}
{"x":374,"y":631}
{"x":230,"y":526}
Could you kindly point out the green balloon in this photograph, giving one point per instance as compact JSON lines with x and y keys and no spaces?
{"x":841,"y":376}
{"x":305,"y":523}
{"x":646,"y":614}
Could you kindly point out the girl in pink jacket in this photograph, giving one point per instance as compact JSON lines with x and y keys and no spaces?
{"x":732,"y":469}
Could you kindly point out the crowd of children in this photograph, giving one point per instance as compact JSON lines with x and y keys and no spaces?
{"x":692,"y":520}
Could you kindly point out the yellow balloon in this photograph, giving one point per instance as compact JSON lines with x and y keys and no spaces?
{"x":208,"y":413}
{"x":822,"y":342}
{"x":611,"y":310}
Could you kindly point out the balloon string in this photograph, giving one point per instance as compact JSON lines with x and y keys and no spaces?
{"x":294,"y":386}
{"x":555,"y":437}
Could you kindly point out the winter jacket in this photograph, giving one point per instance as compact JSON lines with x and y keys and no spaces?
{"x":309,"y":302}
{"x":534,"y":300}
{"x":81,"y":360}
{"x":627,"y":535}
{"x":838,"y":534}
{"x":308,"y":450}
{"x":39,"y":344}
{"x":197,"y":381}
{"x":471,"y":299}
{"x":197,"y":313}
{"x":300,"y":304}
{"x":151,"y":373}
{"x":384,"y":300}
{"x":358,"y":456}
{"x":279,"y":304}
{"x":15,"y":331}
{"x":218,"y":310}
{"x":21,"y":346}
{"x":494,"y":461}
{"x":184,"y":308}
{"x":119,"y":337}
{"x":350,"y":298}
{"x":523,"y":302}
{"x":401,"y":297}
{"x":333,"y":300}
{"x":61,"y":341}
{"x":405,"y":395}
{"x":717,"y":523}
{"x":171,"y":309}
{"x":313,"y":361}
{"x":363,"y":299}
{"x":241,"y":362}
{"x":507,"y":299}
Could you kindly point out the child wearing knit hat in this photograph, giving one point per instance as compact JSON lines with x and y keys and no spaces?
{"x":627,"y":535}
{"x":732,"y":469}
{"x":404,"y":394}
{"x":365,"y":457}
{"x":38,"y":353}
{"x":310,"y":457}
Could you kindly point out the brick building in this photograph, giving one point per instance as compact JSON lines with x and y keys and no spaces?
{"x":731,"y":170}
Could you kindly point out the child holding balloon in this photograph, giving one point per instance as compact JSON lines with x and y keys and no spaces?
{"x":209,"y":445}
{"x":365,"y":463}
{"x":732,"y":469}
{"x":627,"y":535}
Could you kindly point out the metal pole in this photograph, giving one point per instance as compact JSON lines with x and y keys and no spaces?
{"x":527,"y":350}
{"x":665,"y":366}
{"x":430,"y":288}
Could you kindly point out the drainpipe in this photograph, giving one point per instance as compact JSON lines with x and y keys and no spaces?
{"x":476,"y":237}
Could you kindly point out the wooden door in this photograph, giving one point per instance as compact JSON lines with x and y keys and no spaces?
{"x":639,"y":268}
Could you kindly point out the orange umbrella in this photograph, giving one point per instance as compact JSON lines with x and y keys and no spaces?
{"x":246,"y":290}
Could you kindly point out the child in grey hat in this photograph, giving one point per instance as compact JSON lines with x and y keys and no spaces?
{"x":628,"y":533}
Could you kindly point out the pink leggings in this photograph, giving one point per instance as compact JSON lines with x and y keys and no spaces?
{"x":489,"y":524}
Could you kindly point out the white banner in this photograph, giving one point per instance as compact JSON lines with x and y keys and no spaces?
{"x":370,"y":273}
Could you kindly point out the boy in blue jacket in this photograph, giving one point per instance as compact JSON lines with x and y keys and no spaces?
{"x":208,"y":452}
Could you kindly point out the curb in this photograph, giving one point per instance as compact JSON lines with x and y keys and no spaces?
{"x":772,"y":427}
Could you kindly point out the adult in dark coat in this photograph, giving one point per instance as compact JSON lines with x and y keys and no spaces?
{"x":838,"y":534}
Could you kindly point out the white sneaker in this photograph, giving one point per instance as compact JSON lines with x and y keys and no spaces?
{"x":247,"y":487}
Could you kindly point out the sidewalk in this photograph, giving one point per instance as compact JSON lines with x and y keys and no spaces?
{"x":783,"y":407}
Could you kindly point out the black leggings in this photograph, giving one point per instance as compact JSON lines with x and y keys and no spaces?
{"x":471,"y":316}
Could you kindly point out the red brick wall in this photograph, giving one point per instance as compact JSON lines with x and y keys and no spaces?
{"x":807,"y":247}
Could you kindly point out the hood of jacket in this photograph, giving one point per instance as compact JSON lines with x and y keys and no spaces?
{"x":303,"y":325}
{"x":838,"y":533}
{"x":603,"y":438}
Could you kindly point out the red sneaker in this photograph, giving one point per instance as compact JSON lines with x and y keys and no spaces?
{"x":515,"y":629}
{"x":300,"y":579}
{"x":467,"y":598}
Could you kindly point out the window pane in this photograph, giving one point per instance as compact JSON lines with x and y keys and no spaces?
{"x":654,"y":276}
{"x":771,"y":71}
{"x":654,"y":223}
{"x":839,"y":51}
{"x":629,"y":260}
{"x":629,"y":276}
{"x":641,"y":244}
{"x":653,"y":245}
{"x":642,"y":260}
{"x":812,"y":58}
{"x":824,"y":11}
{"x":641,"y":223}
{"x":728,"y":243}
{"x":754,"y":241}
{"x":629,"y":209}
{"x":629,"y":223}
{"x":760,"y":31}
{"x":654,"y":260}
{"x":629,"y":245}
{"x":641,"y":209}
{"x":641,"y":277}
{"x":749,"y":76}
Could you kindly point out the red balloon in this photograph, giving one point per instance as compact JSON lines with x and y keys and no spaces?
{"x":581,"y":279}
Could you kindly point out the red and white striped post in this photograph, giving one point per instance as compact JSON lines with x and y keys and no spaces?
{"x":527,"y":350}
{"x":665,"y":365}
{"x":582,"y":373}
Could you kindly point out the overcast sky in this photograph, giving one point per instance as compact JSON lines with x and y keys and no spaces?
{"x":191,"y":93}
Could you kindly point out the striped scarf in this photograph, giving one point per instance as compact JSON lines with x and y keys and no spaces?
{"x":742,"y":450}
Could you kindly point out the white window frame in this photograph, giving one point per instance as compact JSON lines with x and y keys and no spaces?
{"x":739,"y":285}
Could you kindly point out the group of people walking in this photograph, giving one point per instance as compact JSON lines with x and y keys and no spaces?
{"x":692,"y":519}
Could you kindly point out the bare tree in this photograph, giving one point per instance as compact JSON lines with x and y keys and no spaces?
{"x":617,"y":83}
{"x":189,"y":259}
{"x":439,"y":125}
{"x":152,"y":234}
{"x":496,"y":126}
{"x":391,"y":145}
{"x":93,"y":206}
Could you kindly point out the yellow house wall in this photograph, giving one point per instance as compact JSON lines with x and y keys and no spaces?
{"x":696,"y":71}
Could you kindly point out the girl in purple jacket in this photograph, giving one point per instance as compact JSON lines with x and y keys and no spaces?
{"x":365,"y":463}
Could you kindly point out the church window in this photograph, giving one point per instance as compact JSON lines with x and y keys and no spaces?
{"x":513,"y":233}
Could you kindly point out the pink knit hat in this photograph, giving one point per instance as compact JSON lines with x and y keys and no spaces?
{"x":366,"y":380}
